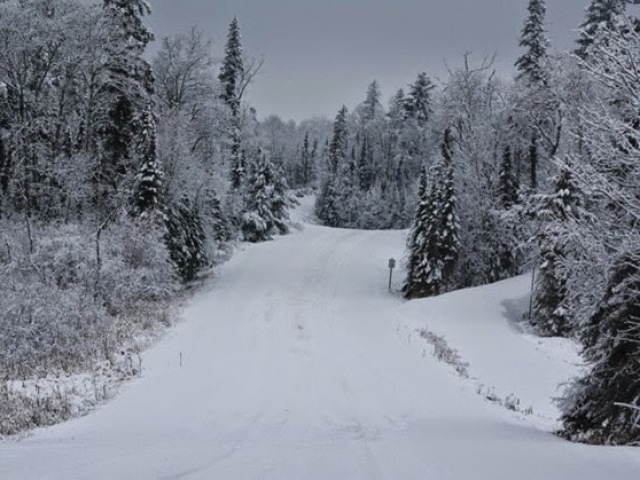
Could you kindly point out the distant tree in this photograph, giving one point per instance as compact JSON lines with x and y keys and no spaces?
{"x":600,"y":16}
{"x":306,"y":160}
{"x":280,"y":201}
{"x":326,"y":207}
{"x":418,"y":101}
{"x":507,"y":180}
{"x":534,"y":39}
{"x":184,"y":72}
{"x":372,"y":104}
{"x":231,"y":75}
{"x":265,"y":211}
{"x":397,"y":110}
{"x":314,"y":160}
{"x":232,"y":67}
{"x":338,"y":146}
{"x":365,"y":165}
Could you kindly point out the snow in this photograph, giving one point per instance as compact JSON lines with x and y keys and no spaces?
{"x":298,"y":364}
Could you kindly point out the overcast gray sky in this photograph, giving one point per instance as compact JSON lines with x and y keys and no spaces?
{"x":321,"y":54}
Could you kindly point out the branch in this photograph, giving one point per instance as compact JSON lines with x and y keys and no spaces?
{"x":253,"y":67}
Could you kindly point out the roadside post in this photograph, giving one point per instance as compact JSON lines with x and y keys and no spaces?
{"x":392,"y":265}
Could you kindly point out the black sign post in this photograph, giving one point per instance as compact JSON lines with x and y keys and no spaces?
{"x":392,"y":265}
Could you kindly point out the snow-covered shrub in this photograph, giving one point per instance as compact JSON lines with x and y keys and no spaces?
{"x":136,"y":268}
{"x":58,"y":309}
{"x":185,"y":240}
{"x":444,"y":353}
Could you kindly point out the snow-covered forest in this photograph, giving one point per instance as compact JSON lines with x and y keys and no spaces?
{"x":125,"y":178}
{"x":120,"y":180}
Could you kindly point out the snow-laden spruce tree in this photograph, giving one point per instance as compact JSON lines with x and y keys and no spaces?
{"x":507,"y":181}
{"x":230,"y":78}
{"x":232,"y":66}
{"x":266,"y":205}
{"x":148,"y":189}
{"x":127,"y":88}
{"x":327,"y":206}
{"x":530,"y":64}
{"x":603,"y":407}
{"x":600,"y":15}
{"x":418,"y":102}
{"x":533,"y":76}
{"x":372,"y":106}
{"x":424,"y":271}
{"x":434,"y":242}
{"x":448,"y":222}
{"x":186,"y":240}
{"x":551,"y":307}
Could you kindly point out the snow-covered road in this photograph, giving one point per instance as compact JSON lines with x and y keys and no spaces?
{"x":298,"y":364}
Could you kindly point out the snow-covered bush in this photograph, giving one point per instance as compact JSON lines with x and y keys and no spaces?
{"x":58,"y":310}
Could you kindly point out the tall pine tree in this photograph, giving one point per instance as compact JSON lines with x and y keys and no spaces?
{"x":230,"y":78}
{"x":418,"y":101}
{"x":600,"y":15}
{"x":534,"y":39}
{"x":507,"y":180}
{"x":448,"y":222}
{"x":232,"y":67}
{"x":266,"y":209}
{"x":147,"y":195}
{"x":550,"y":315}
{"x":423,"y":272}
{"x":129,"y":88}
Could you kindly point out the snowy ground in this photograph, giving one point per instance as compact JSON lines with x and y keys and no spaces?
{"x":298,"y":364}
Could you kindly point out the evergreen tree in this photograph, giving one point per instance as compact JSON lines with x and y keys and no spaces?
{"x":280,"y":201}
{"x":551,"y":315}
{"x":603,"y":407}
{"x":507,"y":181}
{"x":338,"y":146}
{"x":4,"y":175}
{"x":600,"y":15}
{"x":534,"y":160}
{"x":326,"y":207}
{"x":365,"y":160}
{"x":149,"y":182}
{"x":238,"y":165}
{"x":129,"y":14}
{"x":534,"y":40}
{"x":448,"y":222}
{"x":129,"y":85}
{"x":266,"y":202}
{"x":397,"y":111}
{"x":232,"y":68}
{"x":185,"y":240}
{"x":418,"y":101}
{"x":306,"y":161}
{"x":230,"y":77}
{"x":423,"y":270}
{"x":372,"y":104}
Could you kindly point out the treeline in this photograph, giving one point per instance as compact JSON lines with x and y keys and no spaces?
{"x":120,"y":179}
{"x":497,"y":178}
